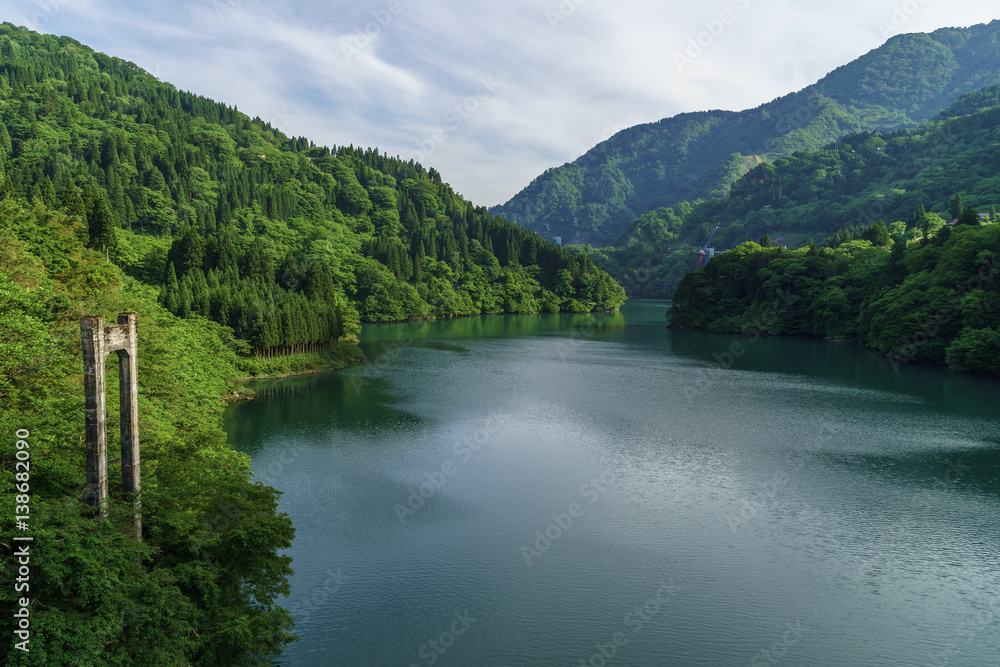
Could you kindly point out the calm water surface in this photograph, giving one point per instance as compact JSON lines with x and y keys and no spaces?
{"x":558,"y":490}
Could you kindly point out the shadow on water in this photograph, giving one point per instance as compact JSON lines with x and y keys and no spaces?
{"x":329,"y":401}
{"x":359,"y":399}
{"x":973,"y":471}
{"x":381,"y":339}
{"x":839,"y":362}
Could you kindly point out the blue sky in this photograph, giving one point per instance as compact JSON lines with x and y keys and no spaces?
{"x":489,"y":93}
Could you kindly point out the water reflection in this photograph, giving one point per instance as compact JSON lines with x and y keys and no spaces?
{"x":804,"y":482}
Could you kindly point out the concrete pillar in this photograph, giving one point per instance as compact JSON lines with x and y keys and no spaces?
{"x":98,"y":342}
{"x":128,"y":395}
{"x":95,"y":413}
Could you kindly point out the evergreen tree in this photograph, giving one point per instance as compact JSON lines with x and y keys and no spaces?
{"x":969,"y":217}
{"x":172,"y":296}
{"x":102,"y":228}
{"x":956,"y":206}
{"x":5,"y":144}
{"x":878,"y":234}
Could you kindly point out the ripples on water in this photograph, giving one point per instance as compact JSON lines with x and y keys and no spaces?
{"x":806,"y":501}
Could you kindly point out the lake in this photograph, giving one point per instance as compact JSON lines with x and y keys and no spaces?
{"x":575,"y":490}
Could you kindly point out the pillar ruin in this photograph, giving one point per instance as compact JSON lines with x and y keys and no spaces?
{"x":98,"y":342}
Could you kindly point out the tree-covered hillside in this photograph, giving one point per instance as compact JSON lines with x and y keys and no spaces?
{"x":936,"y":300}
{"x":283,"y":241}
{"x":203,"y":587}
{"x":830,"y":194}
{"x":697,"y":155}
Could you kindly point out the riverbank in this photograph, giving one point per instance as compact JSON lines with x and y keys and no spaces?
{"x":346,"y":354}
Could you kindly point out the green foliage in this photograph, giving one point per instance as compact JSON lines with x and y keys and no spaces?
{"x":248,"y":217}
{"x":847,"y":190}
{"x":203,"y":586}
{"x":242,"y":252}
{"x":691,"y":156}
{"x":936,"y":301}
{"x":976,"y":350}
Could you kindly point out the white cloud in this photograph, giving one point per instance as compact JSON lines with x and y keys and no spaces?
{"x":387,"y":73}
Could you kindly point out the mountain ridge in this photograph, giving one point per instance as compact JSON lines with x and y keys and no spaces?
{"x":836,"y":193}
{"x":900,"y":84}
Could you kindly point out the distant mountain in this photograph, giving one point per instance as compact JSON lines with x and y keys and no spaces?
{"x":691,"y":156}
{"x":890,"y":179}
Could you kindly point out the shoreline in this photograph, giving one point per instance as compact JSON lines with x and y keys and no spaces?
{"x":330,"y":361}
{"x":235,"y":395}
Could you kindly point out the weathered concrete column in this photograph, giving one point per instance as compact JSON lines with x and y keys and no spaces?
{"x":128,"y":395}
{"x":98,"y":342}
{"x":95,"y":412}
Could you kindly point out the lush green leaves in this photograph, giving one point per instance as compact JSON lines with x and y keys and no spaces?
{"x":932,"y":302}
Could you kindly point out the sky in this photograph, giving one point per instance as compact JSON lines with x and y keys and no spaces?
{"x":491,"y":94}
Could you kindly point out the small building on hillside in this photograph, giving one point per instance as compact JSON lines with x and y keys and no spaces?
{"x":704,"y":256}
{"x":557,"y":240}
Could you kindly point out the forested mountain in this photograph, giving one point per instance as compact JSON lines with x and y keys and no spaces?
{"x":698,"y":155}
{"x":284,"y":241}
{"x":829,"y":195}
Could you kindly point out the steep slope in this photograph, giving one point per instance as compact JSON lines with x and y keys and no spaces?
{"x":906,"y":81}
{"x":286,"y":242}
{"x":213,"y":556}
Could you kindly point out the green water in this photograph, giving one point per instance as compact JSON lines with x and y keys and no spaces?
{"x":597,"y":490}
